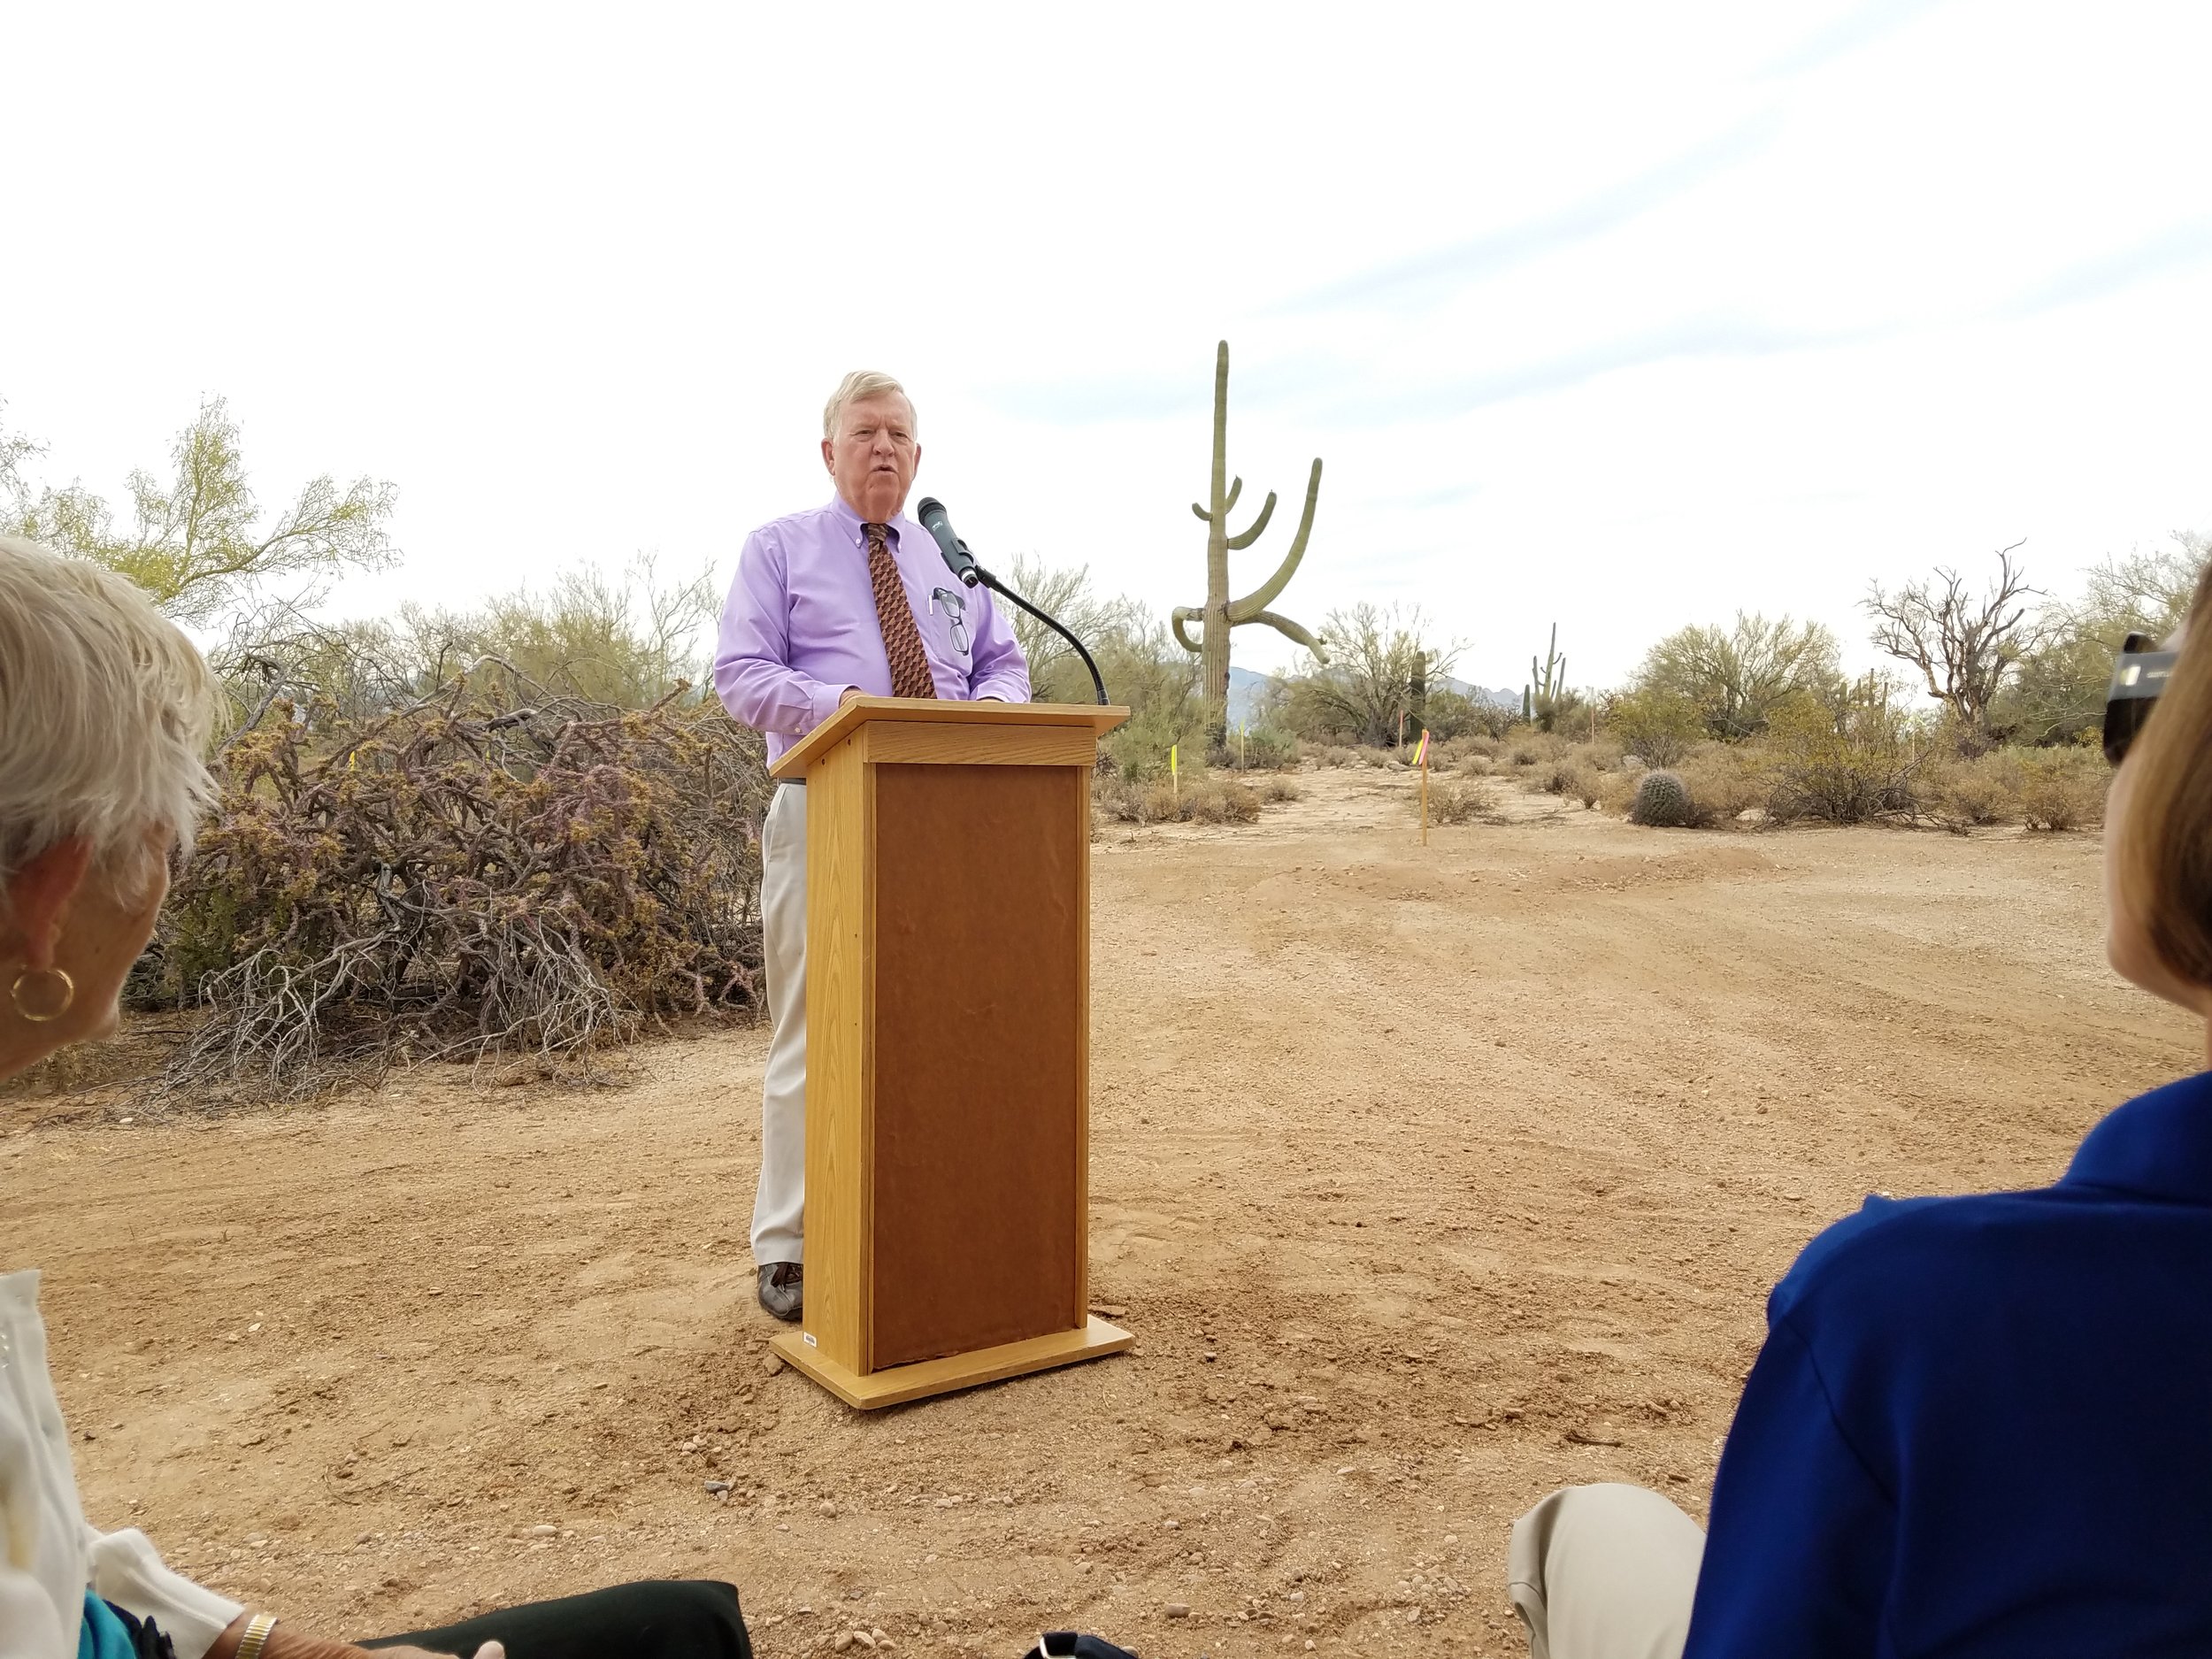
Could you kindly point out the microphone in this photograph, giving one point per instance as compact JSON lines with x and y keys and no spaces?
{"x":957,"y":558}
{"x":930,"y":515}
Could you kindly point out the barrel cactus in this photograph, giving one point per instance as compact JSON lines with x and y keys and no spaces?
{"x":1663,"y":800}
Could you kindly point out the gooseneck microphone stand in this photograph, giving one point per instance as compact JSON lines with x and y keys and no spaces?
{"x":961,"y":563}
{"x":992,"y":582}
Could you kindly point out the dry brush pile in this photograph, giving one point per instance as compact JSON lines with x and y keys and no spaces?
{"x":473,"y":878}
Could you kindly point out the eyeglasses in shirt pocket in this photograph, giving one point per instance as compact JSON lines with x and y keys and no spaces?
{"x":954,"y":606}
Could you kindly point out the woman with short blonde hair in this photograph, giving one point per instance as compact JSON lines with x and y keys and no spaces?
{"x":105,"y":712}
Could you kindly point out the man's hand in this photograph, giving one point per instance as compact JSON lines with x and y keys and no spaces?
{"x":848,"y":693}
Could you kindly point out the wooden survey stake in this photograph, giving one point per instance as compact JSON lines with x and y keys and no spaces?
{"x":948,"y":1117}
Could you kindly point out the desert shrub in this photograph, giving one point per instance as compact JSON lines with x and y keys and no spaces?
{"x":1660,"y":726}
{"x":1457,"y":751}
{"x":1220,"y":801}
{"x":2062,"y":789}
{"x":1526,"y":745}
{"x":1331,"y":754}
{"x":1600,"y":754}
{"x":1201,"y":798}
{"x":1848,"y":760}
{"x":1474,"y":766}
{"x":1558,"y":776}
{"x":1456,"y":802}
{"x":1966,"y":795}
{"x":1616,"y":790}
{"x":1263,"y":749}
{"x":1276,"y":789}
{"x":1724,"y":780}
{"x":1662,"y":802}
{"x":465,"y":877}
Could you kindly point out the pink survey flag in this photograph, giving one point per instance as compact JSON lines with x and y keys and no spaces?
{"x":1421,"y":754}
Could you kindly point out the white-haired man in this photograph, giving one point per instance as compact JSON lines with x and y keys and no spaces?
{"x":847,"y":600}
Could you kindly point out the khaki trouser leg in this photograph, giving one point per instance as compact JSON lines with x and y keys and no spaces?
{"x":1604,"y":1573}
{"x":780,"y":1202}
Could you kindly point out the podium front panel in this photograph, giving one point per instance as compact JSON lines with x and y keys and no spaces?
{"x":978,"y":983}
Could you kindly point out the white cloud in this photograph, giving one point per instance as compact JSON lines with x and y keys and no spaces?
{"x":1621,"y":315}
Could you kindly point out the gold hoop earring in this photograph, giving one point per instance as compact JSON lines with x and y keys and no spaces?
{"x":41,"y":1016}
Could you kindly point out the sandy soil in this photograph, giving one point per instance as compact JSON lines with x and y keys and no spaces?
{"x":1430,"y":1180}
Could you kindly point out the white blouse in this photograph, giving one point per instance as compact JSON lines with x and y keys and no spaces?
{"x":48,"y":1557}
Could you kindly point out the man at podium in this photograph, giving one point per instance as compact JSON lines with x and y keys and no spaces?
{"x":846,"y":600}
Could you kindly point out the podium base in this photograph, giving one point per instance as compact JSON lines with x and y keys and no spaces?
{"x":917,"y":1381}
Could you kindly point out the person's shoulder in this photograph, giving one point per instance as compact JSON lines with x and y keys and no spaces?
{"x":1894,"y":1252}
{"x":808,"y":524}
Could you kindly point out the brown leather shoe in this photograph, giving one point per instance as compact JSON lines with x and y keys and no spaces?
{"x":782,"y":1292}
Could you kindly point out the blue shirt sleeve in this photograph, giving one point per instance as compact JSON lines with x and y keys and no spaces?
{"x":1798,"y":1551}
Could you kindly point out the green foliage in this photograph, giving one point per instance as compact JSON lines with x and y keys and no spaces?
{"x":2056,"y":694}
{"x":1730,"y":679}
{"x":198,"y":541}
{"x":1377,"y":659}
{"x":1451,"y":714}
{"x":1220,"y":613}
{"x":1847,"y":759}
{"x":1255,"y":748}
{"x":2063,"y":788}
{"x":1057,"y":674}
{"x":1662,"y":801}
{"x":1658,"y":723}
{"x":1159,"y":685}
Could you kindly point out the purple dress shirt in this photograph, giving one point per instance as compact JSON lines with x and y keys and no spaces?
{"x":800,"y":626}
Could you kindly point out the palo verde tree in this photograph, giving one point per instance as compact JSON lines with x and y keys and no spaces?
{"x":1963,"y":647}
{"x":1735,"y":677}
{"x":1376,"y":676}
{"x":1220,"y":613}
{"x":198,"y":541}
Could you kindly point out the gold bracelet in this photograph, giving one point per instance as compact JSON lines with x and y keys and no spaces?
{"x":257,"y":1636}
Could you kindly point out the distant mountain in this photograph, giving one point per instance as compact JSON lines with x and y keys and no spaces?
{"x":1245,"y":690}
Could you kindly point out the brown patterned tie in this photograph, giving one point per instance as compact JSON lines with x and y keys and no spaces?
{"x":902,"y":639}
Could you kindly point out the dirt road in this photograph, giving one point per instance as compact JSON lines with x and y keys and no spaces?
{"x":1430,"y":1180}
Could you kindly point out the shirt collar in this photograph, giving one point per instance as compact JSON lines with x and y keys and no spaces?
{"x":2159,"y":1145}
{"x":850,"y":521}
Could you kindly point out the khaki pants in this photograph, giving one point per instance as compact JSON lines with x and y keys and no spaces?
{"x":1604,"y":1573}
{"x":780,"y":1201}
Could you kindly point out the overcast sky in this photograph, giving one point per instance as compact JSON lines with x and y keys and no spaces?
{"x":1618,"y":316}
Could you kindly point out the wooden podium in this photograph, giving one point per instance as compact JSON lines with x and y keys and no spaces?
{"x":948,"y":985}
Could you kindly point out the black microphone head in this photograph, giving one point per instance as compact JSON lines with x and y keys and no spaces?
{"x":931,"y":507}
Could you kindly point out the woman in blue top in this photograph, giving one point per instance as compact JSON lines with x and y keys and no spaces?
{"x":1981,"y":1427}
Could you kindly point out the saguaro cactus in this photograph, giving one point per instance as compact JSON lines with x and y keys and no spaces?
{"x":1540,"y":698}
{"x":1220,"y":613}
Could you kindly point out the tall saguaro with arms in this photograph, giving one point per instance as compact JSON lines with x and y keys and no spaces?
{"x":1220,"y":613}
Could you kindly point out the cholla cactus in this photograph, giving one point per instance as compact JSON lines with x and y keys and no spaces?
{"x":1663,"y":801}
{"x":1220,"y":613}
